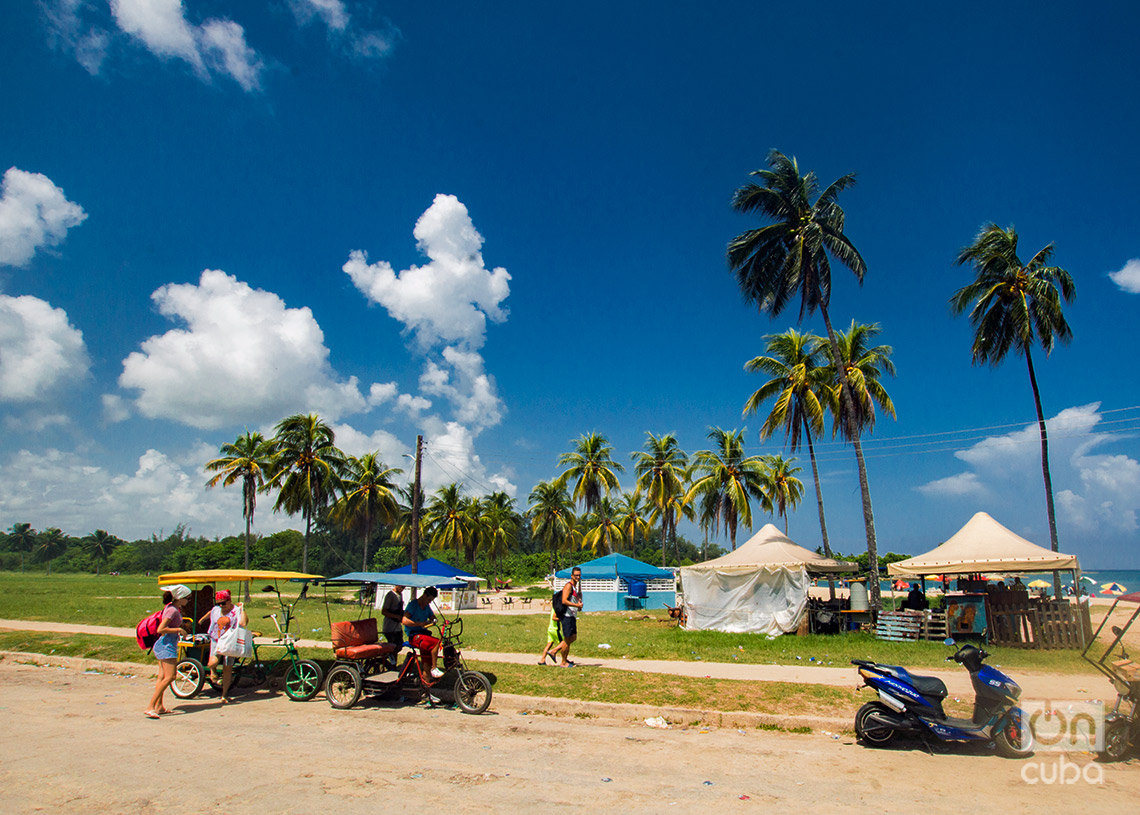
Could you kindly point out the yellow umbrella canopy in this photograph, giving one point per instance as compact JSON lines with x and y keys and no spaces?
{"x":1040,"y":584}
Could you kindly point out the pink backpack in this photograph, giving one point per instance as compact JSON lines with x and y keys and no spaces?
{"x":146,"y":632}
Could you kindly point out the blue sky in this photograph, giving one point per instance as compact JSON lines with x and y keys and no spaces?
{"x":505,"y":226}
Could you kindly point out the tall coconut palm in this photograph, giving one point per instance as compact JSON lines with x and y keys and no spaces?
{"x":51,"y":544}
{"x":603,"y":529}
{"x":22,"y":538}
{"x":551,"y":518}
{"x":789,"y":259}
{"x":797,"y":382}
{"x":307,"y":468}
{"x":592,"y":469}
{"x":249,"y":458}
{"x":672,"y":510}
{"x":500,"y":527}
{"x":448,"y":519}
{"x":864,"y":365}
{"x":631,"y":517}
{"x":1015,"y":305}
{"x":368,"y":498}
{"x":99,"y":545}
{"x":781,"y":487}
{"x":725,"y":481}
{"x":660,"y":469}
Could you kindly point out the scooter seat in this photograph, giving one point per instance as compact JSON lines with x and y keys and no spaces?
{"x":930,"y":686}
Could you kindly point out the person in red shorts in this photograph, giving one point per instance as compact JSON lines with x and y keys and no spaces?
{"x":417,"y":616}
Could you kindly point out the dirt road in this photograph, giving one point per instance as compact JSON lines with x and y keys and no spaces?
{"x":74,"y":741}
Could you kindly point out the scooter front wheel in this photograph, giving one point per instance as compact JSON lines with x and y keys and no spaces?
{"x":1116,"y":740}
{"x":1015,"y":738}
{"x":872,"y":734}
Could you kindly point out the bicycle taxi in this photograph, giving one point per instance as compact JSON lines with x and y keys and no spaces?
{"x":302,"y":677}
{"x":365,"y":665}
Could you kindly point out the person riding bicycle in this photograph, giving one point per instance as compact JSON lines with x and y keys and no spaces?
{"x":417,"y":616}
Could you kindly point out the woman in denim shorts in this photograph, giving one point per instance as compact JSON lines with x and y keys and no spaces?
{"x":166,"y":647}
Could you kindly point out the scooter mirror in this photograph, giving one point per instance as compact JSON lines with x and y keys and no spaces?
{"x":1116,"y":630}
{"x":949,"y":641}
{"x":269,"y":589}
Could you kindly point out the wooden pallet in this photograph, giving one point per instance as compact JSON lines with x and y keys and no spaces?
{"x":899,"y":626}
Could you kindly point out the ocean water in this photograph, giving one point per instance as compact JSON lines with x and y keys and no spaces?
{"x":1127,"y":578}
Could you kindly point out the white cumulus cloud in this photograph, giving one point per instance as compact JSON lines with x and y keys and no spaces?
{"x":344,"y":29}
{"x":34,"y":212}
{"x":1128,"y":277}
{"x":216,"y":46}
{"x":961,"y":484}
{"x":243,"y":357}
{"x":39,"y":349}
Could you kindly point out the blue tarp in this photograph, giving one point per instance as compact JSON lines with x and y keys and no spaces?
{"x":610,"y":566}
{"x":433,"y":566}
{"x":419,"y":581}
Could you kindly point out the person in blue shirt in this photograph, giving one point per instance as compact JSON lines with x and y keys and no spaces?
{"x":417,"y":616}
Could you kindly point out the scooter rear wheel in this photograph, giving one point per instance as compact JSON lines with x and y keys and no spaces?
{"x":1116,"y":740}
{"x":873,"y":735}
{"x":1015,"y":739}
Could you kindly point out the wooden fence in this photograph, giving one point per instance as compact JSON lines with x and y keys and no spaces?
{"x":1040,"y":625}
{"x":900,"y":626}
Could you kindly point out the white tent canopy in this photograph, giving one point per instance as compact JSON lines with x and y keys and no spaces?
{"x":770,"y":547}
{"x":760,"y":588}
{"x":984,"y":545}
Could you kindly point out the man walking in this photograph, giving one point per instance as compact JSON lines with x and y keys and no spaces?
{"x":572,"y":602}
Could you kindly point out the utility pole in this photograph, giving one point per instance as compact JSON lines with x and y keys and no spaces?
{"x":416,"y":506}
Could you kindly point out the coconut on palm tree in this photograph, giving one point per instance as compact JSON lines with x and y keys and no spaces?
{"x":789,"y":259}
{"x":249,"y":458}
{"x":1015,"y":305}
{"x":660,"y":469}
{"x":781,"y":488}
{"x":592,"y":469}
{"x":307,"y":468}
{"x":798,"y":380}
{"x":368,"y":498}
{"x":552,"y":518}
{"x":725,"y":480}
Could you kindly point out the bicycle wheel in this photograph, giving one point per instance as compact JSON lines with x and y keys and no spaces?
{"x":342,"y":686}
{"x":188,"y":678}
{"x":303,"y":680}
{"x":472,"y":692}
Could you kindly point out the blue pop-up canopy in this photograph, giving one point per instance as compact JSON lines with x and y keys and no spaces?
{"x":436,"y":567}
{"x":615,"y":565}
{"x":419,"y":581}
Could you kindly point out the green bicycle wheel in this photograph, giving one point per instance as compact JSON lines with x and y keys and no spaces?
{"x":303,"y":680}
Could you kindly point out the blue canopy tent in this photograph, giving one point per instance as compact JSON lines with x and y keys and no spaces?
{"x":616,"y":582}
{"x":436,"y":567}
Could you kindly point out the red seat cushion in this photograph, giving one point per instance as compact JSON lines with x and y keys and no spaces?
{"x":354,"y":632}
{"x":367,"y":651}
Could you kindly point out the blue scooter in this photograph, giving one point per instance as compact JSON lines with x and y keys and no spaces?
{"x":912,"y":705}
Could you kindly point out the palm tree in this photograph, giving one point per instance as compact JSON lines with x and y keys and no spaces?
{"x":402,"y":531}
{"x":99,"y":545}
{"x":592,"y":468}
{"x":725,"y":480}
{"x":631,"y":517}
{"x":448,"y":519}
{"x":798,"y":380}
{"x":790,"y":258}
{"x":661,"y":474}
{"x":307,"y":468}
{"x":551,"y":518}
{"x":500,"y":527}
{"x":603,"y":528}
{"x":249,"y":458}
{"x":864,"y":366}
{"x":22,"y":538}
{"x":1016,"y":305}
{"x":369,"y":497}
{"x":52,"y":543}
{"x":673,"y":509}
{"x":781,"y":487}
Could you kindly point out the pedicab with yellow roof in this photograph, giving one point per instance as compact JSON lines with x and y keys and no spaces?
{"x":302,"y":677}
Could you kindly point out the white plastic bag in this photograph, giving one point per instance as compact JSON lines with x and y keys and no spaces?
{"x":235,"y":642}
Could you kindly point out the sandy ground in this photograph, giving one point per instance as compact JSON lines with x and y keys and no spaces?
{"x":77,"y":741}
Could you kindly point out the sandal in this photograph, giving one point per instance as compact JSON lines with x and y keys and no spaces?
{"x":150,"y":714}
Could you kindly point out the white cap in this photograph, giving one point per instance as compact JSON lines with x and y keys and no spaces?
{"x":178,"y":591}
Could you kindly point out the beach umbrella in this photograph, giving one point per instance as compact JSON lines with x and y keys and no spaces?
{"x":1039,"y":584}
{"x":901,"y":584}
{"x":1087,"y":579}
{"x":1112,"y":588}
